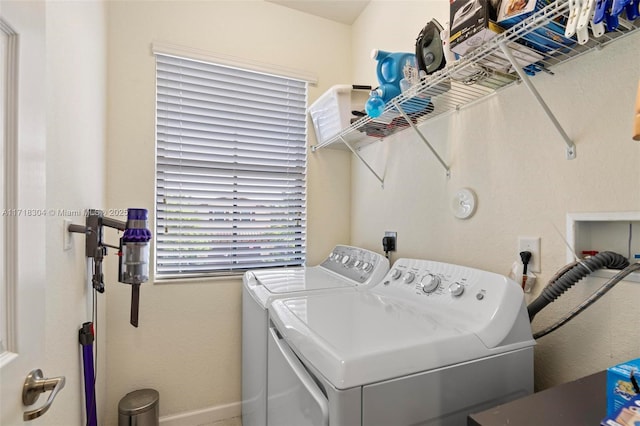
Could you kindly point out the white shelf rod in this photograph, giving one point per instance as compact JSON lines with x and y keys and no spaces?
{"x":571,"y":148}
{"x":415,"y":128}
{"x":363,"y":160}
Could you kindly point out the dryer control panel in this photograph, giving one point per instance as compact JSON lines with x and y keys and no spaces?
{"x":358,"y":264}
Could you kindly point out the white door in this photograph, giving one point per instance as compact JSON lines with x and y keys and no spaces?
{"x":22,"y":254}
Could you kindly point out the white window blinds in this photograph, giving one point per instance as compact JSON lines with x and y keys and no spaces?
{"x":230,"y":169}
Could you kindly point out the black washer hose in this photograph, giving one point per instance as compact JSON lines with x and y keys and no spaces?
{"x":603,"y":260}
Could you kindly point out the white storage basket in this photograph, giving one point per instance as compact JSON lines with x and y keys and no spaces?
{"x":331,"y":112}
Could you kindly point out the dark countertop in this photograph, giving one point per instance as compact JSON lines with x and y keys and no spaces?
{"x":582,"y":402}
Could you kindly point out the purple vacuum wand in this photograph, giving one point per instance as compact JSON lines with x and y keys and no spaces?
{"x":133,"y":250}
{"x":86,"y":338}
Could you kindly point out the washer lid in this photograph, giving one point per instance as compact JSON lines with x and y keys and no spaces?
{"x":300,"y":279}
{"x":356,"y":338}
{"x":269,"y":284}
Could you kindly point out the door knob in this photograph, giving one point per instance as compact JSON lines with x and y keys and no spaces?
{"x":34,"y":385}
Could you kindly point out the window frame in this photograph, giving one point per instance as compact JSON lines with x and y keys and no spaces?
{"x":302,"y":235}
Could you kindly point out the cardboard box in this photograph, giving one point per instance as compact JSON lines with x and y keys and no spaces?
{"x":628,"y":415}
{"x":620,"y":389}
{"x":544,"y":39}
{"x":513,"y":11}
{"x":470,"y":24}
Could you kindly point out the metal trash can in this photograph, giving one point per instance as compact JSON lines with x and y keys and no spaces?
{"x":139,"y":408}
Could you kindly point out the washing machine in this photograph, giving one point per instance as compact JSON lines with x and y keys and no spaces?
{"x":345,"y":269}
{"x":428,"y":345}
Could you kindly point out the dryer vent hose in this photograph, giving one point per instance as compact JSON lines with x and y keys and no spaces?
{"x":571,"y":274}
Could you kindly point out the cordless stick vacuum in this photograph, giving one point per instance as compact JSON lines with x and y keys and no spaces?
{"x":133,"y":269}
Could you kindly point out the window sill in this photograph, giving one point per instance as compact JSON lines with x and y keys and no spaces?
{"x":197,"y":280}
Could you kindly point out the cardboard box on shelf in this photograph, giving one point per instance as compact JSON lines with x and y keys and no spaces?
{"x":545,"y":39}
{"x":471,"y":24}
{"x":513,"y":11}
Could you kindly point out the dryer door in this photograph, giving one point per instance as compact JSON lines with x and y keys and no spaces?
{"x":293,"y":396}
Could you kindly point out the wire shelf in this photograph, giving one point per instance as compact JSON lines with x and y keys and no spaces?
{"x":537,"y":43}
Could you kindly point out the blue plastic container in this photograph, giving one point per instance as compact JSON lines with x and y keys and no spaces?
{"x":392,"y":67}
{"x":390,"y":71}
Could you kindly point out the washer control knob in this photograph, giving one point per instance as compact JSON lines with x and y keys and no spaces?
{"x":367,"y":267}
{"x":345,"y":259}
{"x":456,"y":289}
{"x":409,"y":277}
{"x":430,"y":283}
{"x":395,"y":273}
{"x":337,"y":257}
{"x":357,"y":264}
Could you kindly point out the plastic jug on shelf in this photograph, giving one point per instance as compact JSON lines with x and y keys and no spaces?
{"x":391,"y":70}
{"x":397,"y":72}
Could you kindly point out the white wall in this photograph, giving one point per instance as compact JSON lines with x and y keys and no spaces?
{"x":188,"y":343}
{"x":508,"y":152}
{"x":76,"y":134}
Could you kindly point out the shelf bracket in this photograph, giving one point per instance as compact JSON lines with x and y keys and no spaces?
{"x":381,"y":179}
{"x":422,"y":137}
{"x":571,"y":148}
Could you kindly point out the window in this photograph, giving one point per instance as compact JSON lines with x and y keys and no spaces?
{"x":230,"y":169}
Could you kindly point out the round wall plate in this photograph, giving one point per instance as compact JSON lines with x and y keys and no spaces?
{"x":463,"y":204}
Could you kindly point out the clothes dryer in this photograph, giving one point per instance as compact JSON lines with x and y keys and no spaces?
{"x":345,"y":270}
{"x":429,"y":344}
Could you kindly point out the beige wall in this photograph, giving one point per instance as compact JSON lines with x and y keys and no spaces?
{"x":188,"y":343}
{"x":508,"y":152}
{"x":76,"y":134}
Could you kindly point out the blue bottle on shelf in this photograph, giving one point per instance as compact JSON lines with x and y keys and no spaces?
{"x":375,"y":105}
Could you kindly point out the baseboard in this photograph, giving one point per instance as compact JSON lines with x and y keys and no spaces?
{"x":203,"y":417}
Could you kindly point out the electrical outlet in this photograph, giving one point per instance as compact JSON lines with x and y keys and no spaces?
{"x":66,"y":235}
{"x":531,"y":244}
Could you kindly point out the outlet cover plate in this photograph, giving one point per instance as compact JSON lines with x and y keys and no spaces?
{"x":531,"y":244}
{"x":66,"y":235}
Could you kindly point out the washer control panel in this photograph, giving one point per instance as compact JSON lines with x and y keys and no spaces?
{"x":444,"y":284}
{"x":490,"y":305}
{"x":358,"y":264}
